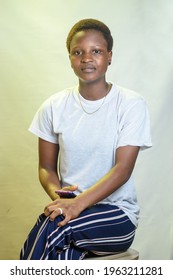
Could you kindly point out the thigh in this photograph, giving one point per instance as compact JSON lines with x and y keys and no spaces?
{"x":103,"y":228}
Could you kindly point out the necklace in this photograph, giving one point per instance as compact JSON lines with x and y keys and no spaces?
{"x":90,"y":113}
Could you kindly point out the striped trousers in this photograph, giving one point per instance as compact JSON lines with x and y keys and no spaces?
{"x":100,"y":229}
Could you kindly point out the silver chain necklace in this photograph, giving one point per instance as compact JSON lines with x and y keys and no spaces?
{"x":90,"y":113}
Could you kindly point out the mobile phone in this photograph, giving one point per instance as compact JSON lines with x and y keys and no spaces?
{"x":65,"y":194}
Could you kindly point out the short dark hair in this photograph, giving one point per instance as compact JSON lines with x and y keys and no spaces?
{"x":89,"y":24}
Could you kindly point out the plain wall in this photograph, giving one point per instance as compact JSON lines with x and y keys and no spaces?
{"x":34,"y":64}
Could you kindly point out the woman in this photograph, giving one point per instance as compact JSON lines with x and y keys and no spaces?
{"x":94,"y":131}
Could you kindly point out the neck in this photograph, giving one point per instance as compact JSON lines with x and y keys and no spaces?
{"x":94,"y":91}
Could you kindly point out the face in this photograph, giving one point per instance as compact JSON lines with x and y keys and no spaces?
{"x":89,"y":56}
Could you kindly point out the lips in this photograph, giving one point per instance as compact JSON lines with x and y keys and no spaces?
{"x":88,"y":69}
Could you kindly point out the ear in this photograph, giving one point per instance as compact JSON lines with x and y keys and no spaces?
{"x":109,"y":57}
{"x":70,"y":61}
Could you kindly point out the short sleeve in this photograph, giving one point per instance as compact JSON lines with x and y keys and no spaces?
{"x":42,"y":124}
{"x":134,"y":126}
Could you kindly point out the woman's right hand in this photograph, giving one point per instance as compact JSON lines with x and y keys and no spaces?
{"x":70,"y":188}
{"x":66,"y":192}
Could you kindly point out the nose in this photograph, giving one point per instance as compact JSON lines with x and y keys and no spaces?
{"x":86,"y":57}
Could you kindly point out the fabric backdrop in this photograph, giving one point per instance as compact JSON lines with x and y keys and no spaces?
{"x":34,"y":64}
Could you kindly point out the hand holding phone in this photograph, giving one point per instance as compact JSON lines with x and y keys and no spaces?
{"x":65,"y":194}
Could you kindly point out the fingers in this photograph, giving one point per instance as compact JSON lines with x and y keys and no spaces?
{"x":57,"y":212}
{"x":65,"y":221}
{"x":53,"y":212}
{"x":70,"y":188}
{"x":49,"y":210}
{"x":51,"y":207}
{"x":67,"y":208}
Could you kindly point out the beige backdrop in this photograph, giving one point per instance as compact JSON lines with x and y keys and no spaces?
{"x":34,"y":64}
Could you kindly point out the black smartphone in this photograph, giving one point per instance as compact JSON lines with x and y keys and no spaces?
{"x":65,"y":194}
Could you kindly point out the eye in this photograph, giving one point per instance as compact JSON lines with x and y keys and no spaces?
{"x":97,"y":51}
{"x":76,"y":52}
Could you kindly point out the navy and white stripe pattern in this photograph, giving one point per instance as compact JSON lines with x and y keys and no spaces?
{"x":100,"y":229}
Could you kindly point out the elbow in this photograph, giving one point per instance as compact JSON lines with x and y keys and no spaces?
{"x":124,"y":174}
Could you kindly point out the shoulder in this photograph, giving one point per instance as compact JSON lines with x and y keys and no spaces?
{"x":60,"y":96}
{"x":57,"y":99}
{"x":127,"y":99}
{"x":128,"y":95}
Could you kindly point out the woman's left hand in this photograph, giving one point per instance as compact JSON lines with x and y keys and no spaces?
{"x":69,"y":208}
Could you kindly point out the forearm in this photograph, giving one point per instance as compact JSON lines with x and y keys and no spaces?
{"x":50,"y":182}
{"x":114,"y":179}
{"x":108,"y":184}
{"x":73,"y":207}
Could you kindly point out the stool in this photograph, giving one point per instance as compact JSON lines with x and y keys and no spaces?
{"x":130,"y":254}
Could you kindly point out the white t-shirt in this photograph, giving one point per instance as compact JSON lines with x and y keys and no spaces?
{"x":88,"y":142}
